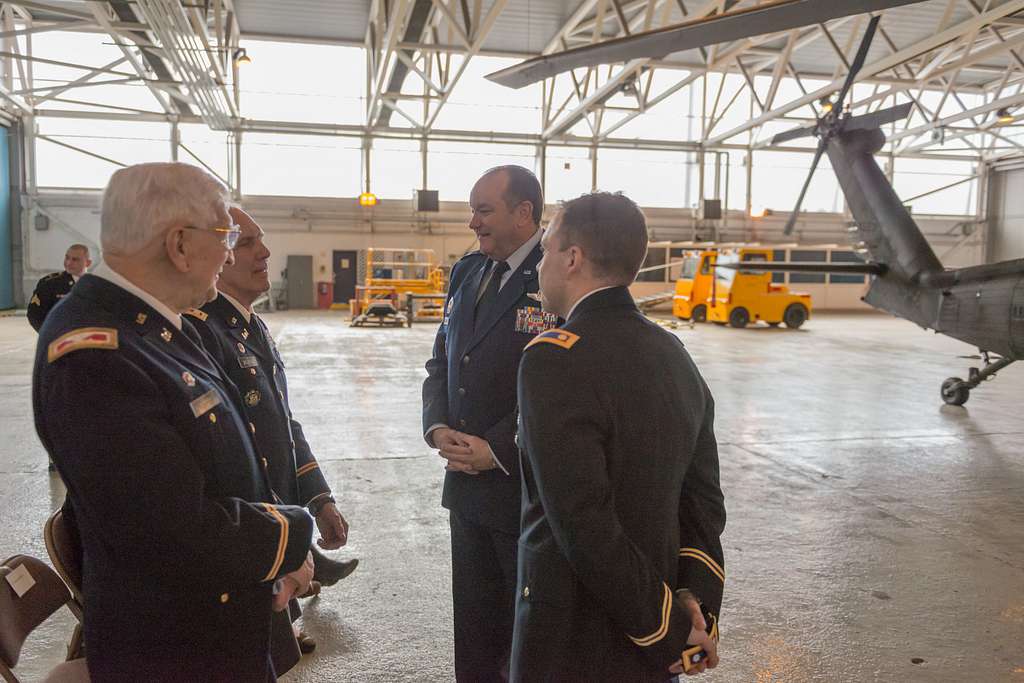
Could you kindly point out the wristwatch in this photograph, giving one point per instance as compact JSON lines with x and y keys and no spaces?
{"x":317,"y":504}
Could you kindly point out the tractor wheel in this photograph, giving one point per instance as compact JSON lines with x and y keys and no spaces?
{"x":955,"y":392}
{"x":739,"y":317}
{"x":700,"y":314}
{"x":795,"y":316}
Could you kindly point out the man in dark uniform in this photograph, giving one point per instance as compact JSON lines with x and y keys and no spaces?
{"x":622,"y":504}
{"x":469,"y":411}
{"x":55,"y":286}
{"x":183,"y":545}
{"x":241,"y":344}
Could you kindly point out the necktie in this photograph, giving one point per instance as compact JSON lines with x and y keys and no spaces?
{"x":490,"y":293}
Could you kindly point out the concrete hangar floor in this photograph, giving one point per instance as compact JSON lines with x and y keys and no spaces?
{"x":874,"y":534}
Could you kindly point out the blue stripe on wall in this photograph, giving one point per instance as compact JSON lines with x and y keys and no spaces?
{"x":6,"y":266}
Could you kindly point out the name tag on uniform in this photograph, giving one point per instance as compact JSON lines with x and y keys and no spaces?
{"x":204,"y":403}
{"x":248,"y":361}
{"x":533,"y":320}
{"x":448,"y":311}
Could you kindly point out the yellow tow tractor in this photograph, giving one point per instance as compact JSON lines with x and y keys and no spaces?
{"x":740,"y":297}
{"x":693,"y":287}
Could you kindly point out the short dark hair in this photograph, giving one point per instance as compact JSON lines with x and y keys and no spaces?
{"x":610,"y":229}
{"x":523,"y":186}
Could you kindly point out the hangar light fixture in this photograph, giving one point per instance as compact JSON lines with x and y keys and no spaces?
{"x":242,"y":57}
{"x":368,"y":199}
{"x":826,"y":104}
{"x":1004,"y":115}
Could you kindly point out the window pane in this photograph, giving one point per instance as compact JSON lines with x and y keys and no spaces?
{"x":807,"y":256}
{"x":456,"y":166}
{"x":300,"y":165}
{"x":845,"y":257}
{"x":124,"y":142}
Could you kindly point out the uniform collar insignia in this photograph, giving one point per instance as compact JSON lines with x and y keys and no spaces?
{"x":140,"y":319}
{"x":166,"y":335}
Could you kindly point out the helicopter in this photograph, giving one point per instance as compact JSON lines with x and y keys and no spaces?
{"x":980,"y":305}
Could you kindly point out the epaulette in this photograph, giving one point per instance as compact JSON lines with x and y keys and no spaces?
{"x":82,"y":338}
{"x":35,"y":300}
{"x":557,"y":337}
{"x":197,"y":313}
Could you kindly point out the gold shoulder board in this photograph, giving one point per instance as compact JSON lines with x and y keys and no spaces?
{"x":557,"y":337}
{"x":83,"y":338}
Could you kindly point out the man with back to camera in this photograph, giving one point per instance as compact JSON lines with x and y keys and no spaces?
{"x":185,"y":555}
{"x":53,"y":287}
{"x":469,"y":411}
{"x":621,"y":499}
{"x":241,"y":344}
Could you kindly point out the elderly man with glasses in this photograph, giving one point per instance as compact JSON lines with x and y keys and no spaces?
{"x":185,"y":552}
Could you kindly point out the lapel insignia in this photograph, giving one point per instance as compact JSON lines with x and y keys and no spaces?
{"x":241,"y":347}
{"x":234,"y":320}
{"x":166,"y":335}
{"x":247,"y":361}
{"x":140,"y":319}
{"x":252,"y":398}
{"x":35,"y":300}
{"x":196,"y":313}
{"x":245,"y":334}
{"x":188,"y":378}
{"x":533,"y":320}
{"x":534,"y":295}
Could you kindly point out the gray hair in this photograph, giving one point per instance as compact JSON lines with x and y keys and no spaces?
{"x":144,"y":200}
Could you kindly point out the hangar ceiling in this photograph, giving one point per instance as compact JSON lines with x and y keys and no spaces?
{"x":959,"y":62}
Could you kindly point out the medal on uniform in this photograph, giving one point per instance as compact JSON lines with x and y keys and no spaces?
{"x":188,"y":378}
{"x":165,"y":334}
{"x":241,"y":347}
{"x":252,"y":398}
{"x":532,"y":320}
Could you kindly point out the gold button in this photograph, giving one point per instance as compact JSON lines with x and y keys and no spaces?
{"x":526,"y":591}
{"x":213,"y":417}
{"x":281,"y":394}
{"x":252,"y":371}
{"x":264,"y":462}
{"x":252,"y":428}
{"x":224,"y":597}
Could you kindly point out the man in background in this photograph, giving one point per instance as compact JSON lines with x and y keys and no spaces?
{"x":241,"y":344}
{"x":55,"y":286}
{"x":621,"y":500}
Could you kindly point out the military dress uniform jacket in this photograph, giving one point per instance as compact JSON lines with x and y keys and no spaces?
{"x":49,"y":290}
{"x":249,"y":357}
{"x":621,"y":498}
{"x":471,"y":384}
{"x":181,"y":541}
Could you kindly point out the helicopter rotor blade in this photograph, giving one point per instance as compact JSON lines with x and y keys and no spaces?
{"x":858,"y":62}
{"x":788,"y":135}
{"x":807,"y":183}
{"x":879,"y":118}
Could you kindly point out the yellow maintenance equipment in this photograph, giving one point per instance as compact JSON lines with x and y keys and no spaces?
{"x":740,"y":297}
{"x":389,"y":277}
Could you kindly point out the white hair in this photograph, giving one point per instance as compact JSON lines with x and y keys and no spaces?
{"x":144,"y":200}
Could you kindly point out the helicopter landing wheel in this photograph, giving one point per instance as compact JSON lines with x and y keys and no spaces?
{"x":955,"y":392}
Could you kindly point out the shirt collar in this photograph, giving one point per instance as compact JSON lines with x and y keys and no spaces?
{"x":246,"y":313}
{"x":519,"y":255}
{"x":110,"y":275}
{"x":580,"y":300}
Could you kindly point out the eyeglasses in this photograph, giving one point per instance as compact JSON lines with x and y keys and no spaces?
{"x":228,"y":236}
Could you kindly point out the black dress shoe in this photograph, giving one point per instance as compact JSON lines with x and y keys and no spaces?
{"x":329,"y":572}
